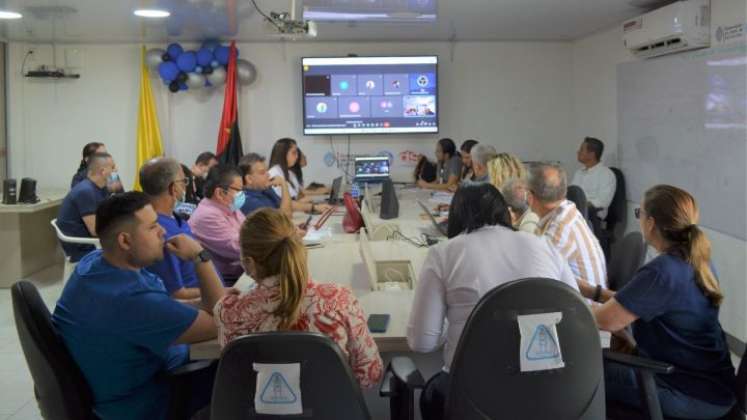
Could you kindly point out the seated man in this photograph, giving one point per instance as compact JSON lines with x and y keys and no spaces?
{"x":164,"y":183}
{"x":77,"y":214}
{"x":258,"y":186}
{"x":217,"y":220}
{"x":196,"y":176}
{"x":564,"y":225}
{"x":119,"y":324}
{"x":597,"y":180}
{"x":515,"y":191}
{"x":482,"y":154}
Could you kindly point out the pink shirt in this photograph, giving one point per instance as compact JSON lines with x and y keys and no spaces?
{"x":217,"y":229}
{"x":326,"y":308}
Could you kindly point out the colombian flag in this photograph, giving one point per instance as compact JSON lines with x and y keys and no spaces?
{"x":148,"y":134}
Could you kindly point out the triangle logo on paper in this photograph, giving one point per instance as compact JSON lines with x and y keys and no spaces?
{"x":543,"y":345}
{"x":277,"y":391}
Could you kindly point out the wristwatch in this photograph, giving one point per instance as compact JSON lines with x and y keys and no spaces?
{"x":203,"y":256}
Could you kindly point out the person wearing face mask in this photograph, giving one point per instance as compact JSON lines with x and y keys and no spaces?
{"x":164,"y":182}
{"x":77,"y":216}
{"x":217,"y":220}
{"x":88,"y":150}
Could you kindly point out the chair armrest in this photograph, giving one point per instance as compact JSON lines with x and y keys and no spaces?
{"x":639,"y":363}
{"x":191,"y":368}
{"x":403,"y":371}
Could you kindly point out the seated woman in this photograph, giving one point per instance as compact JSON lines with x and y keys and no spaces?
{"x":311,"y":189}
{"x":673,"y":304}
{"x":285,"y":298}
{"x":284,"y":156}
{"x":504,"y":167}
{"x":88,"y":150}
{"x":465,"y":150}
{"x":483,"y":251}
{"x":449,"y":169}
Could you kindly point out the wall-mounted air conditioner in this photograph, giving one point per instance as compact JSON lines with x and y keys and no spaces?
{"x":680,"y":26}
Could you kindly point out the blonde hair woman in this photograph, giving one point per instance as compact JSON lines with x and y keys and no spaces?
{"x":285,"y":298}
{"x":504,"y":167}
{"x":673,"y":303}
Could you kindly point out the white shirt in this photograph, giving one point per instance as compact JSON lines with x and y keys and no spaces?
{"x":528,"y":222}
{"x":458,"y":272}
{"x":598,"y":183}
{"x":293,"y":187}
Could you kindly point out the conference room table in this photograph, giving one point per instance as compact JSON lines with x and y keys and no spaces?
{"x":339,"y":261}
{"x":27,"y":241}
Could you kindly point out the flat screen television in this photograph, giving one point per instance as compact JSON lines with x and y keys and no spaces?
{"x":370,"y":95}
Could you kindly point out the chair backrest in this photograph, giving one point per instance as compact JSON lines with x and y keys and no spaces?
{"x":61,"y":390}
{"x":742,"y":384}
{"x":328,"y":389}
{"x":486,"y":379}
{"x":575,"y":194}
{"x":72,"y":239}
{"x":618,"y":207}
{"x":626,"y":258}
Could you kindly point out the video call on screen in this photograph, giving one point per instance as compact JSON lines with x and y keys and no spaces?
{"x":370,"y":95}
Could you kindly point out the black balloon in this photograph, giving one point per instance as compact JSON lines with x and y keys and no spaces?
{"x":182,"y":77}
{"x":207,"y":70}
{"x":166,"y":57}
{"x":174,"y":86}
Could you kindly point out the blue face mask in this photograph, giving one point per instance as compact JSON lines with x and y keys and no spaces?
{"x":113,"y":177}
{"x":238,"y":201}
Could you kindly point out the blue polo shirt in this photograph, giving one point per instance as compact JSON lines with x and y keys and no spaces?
{"x":81,"y":201}
{"x":120,"y":327}
{"x":174,"y":272}
{"x":677,"y":324}
{"x":260,"y":199}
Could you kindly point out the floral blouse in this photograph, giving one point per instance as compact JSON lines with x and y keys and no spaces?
{"x":327,"y":308}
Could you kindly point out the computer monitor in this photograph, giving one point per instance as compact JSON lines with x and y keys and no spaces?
{"x":371,"y":169}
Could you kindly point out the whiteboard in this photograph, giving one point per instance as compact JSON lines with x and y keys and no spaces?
{"x":682,"y":121}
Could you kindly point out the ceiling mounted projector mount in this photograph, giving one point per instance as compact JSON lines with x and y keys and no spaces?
{"x":285,"y":24}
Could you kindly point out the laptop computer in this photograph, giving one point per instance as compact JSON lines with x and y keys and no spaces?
{"x":440,"y":227}
{"x":334,"y":192}
{"x":371,"y":169}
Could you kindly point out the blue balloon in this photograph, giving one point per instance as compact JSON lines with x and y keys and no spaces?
{"x":204,"y":56}
{"x":183,"y":86}
{"x":210,"y":45}
{"x":168,"y":71}
{"x":174,"y":50}
{"x":187,"y":61}
{"x":214,"y":64}
{"x":222,"y":53}
{"x":198,"y":69}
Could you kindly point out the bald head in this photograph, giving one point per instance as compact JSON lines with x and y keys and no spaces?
{"x":548,"y":182}
{"x":158,"y":174}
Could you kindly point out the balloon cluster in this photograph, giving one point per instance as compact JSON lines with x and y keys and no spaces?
{"x":181,"y":70}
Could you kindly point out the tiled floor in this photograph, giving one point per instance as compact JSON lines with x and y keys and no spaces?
{"x":16,"y":388}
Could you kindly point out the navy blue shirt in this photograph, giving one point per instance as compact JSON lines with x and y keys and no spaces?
{"x":174,"y":272}
{"x":81,"y":201}
{"x":120,"y":326}
{"x":259,"y":199}
{"x":677,"y":324}
{"x":79,"y":176}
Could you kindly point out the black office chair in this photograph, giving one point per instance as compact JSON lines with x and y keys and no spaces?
{"x":618,"y":209}
{"x":575,"y":194}
{"x":626,"y":258}
{"x":328,"y":389}
{"x":486,"y":381}
{"x":646,"y":370}
{"x":61,"y":390}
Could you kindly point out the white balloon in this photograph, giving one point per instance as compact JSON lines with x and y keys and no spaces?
{"x":218,"y":76}
{"x":154,"y":57}
{"x":195,"y":81}
{"x":246,"y":72}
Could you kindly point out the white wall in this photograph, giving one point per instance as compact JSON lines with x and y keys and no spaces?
{"x":595,"y":60}
{"x":514,"y":95}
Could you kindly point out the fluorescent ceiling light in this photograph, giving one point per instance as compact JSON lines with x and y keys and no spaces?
{"x":152,"y":13}
{"x":4,"y":14}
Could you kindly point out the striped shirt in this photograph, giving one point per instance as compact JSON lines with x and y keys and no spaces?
{"x":567,"y":229}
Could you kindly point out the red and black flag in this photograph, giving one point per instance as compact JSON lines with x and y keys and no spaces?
{"x":229,"y":140}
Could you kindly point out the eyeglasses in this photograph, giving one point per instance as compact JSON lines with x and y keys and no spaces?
{"x":637,"y":212}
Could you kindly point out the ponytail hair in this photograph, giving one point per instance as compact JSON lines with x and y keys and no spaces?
{"x":269,"y":238}
{"x":675,"y":214}
{"x":88,"y":150}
